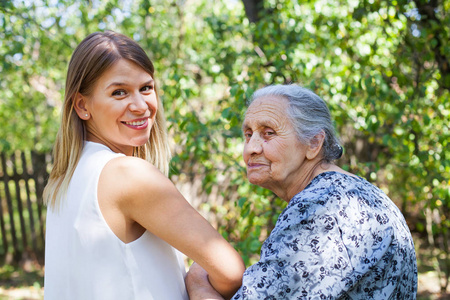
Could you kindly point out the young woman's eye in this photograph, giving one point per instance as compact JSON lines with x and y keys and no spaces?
{"x":147,"y":88}
{"x":119,"y":93}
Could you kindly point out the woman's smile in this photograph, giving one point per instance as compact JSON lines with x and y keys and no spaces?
{"x":137,"y":124}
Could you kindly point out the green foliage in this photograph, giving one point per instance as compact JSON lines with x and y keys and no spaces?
{"x":382,"y":66}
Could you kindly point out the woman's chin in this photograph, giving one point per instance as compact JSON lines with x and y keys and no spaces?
{"x":256,"y":180}
{"x":139,"y":142}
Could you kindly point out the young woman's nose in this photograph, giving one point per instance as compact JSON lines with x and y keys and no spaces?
{"x":138,"y":104}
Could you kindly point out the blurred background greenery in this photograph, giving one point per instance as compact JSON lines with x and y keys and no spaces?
{"x":382,"y":66}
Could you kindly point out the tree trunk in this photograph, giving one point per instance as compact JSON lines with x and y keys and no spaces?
{"x":253,"y":9}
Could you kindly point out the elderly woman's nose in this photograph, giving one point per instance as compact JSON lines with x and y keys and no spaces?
{"x":254,"y":145}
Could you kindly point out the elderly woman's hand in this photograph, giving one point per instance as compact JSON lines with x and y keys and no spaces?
{"x":198,"y":286}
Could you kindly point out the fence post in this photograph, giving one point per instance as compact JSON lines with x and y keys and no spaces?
{"x":26,"y":176}
{"x":16,"y":178}
{"x":39,"y":163}
{"x":16,"y":251}
{"x":3,"y":228}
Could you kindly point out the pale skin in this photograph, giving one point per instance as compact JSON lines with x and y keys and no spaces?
{"x":135,"y":196}
{"x":276,"y":160}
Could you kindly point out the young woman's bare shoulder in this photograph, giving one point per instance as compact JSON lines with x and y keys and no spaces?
{"x":129,"y":164}
{"x":133,"y":176}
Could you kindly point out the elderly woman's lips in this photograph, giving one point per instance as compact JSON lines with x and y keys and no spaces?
{"x":255,"y":165}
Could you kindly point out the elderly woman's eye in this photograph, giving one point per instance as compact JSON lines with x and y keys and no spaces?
{"x":270,"y":132}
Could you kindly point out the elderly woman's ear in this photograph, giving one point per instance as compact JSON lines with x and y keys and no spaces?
{"x":315,"y":146}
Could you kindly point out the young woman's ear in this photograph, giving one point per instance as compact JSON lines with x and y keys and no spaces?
{"x":80,"y":107}
{"x":315,"y":146}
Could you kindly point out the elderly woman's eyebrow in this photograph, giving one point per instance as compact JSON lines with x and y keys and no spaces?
{"x":260,"y":123}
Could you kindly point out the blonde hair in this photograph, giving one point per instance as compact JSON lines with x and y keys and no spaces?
{"x":93,"y":56}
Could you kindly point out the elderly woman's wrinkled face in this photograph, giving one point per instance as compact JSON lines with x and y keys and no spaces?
{"x":272,"y":152}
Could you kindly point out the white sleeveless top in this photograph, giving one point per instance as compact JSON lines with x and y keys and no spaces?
{"x":85,"y":260}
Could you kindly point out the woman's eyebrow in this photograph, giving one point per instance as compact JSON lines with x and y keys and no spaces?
{"x":260,"y":123}
{"x":151,"y":81}
{"x":119,"y":84}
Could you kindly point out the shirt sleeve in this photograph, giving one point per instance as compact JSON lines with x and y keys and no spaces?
{"x":303,"y":257}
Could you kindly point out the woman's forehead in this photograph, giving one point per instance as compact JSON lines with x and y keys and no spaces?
{"x":268,"y":105}
{"x":268,"y":111}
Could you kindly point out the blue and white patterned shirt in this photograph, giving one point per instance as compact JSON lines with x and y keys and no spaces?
{"x":339,"y":238}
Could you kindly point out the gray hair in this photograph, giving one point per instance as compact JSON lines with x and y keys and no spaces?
{"x":309,"y":115}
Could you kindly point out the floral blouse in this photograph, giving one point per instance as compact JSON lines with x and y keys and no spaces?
{"x":339,"y":238}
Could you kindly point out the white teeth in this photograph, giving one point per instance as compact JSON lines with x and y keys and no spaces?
{"x":134,"y":123}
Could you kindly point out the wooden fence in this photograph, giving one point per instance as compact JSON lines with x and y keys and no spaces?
{"x":22,"y":214}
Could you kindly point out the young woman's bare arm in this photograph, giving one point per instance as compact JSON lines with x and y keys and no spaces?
{"x":137,"y":194}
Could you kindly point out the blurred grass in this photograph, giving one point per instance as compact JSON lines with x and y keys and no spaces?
{"x":23,"y":282}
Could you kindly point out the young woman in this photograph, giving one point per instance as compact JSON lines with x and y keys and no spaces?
{"x":114,"y":218}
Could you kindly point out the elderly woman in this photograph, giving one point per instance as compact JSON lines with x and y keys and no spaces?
{"x":340,"y":237}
